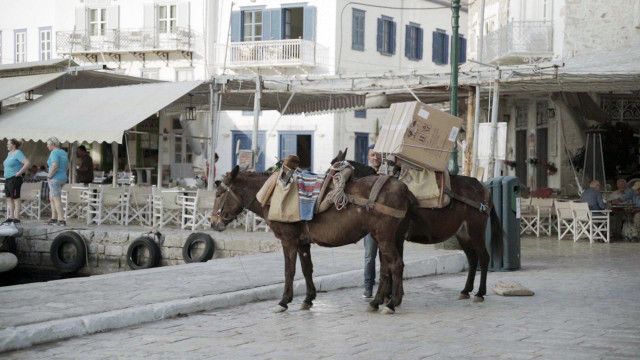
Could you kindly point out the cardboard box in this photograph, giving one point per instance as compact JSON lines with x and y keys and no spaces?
{"x":419,"y":134}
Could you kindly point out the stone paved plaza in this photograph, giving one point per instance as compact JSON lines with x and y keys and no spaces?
{"x":586,"y":307}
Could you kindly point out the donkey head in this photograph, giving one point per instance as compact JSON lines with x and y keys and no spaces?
{"x":228,"y":204}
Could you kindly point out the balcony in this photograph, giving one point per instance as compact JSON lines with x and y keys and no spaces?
{"x":272,"y":54}
{"x":115,"y":42}
{"x":519,"y":42}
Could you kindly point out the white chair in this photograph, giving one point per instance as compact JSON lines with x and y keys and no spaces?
{"x":196,"y":209}
{"x":544,"y":213}
{"x":166,"y":207}
{"x":98,"y":177}
{"x":594,"y":225}
{"x":32,"y":205}
{"x":528,"y":217}
{"x":75,"y":200}
{"x":109,"y":204}
{"x":140,"y":206}
{"x":564,"y":215}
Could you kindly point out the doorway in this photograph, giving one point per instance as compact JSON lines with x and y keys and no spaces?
{"x":521,"y":156}
{"x":300,"y":144}
{"x":292,"y":23}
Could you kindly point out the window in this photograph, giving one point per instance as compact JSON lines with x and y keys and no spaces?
{"x":413,"y":42}
{"x":357,"y":30}
{"x":252,"y":25}
{"x":21,"y":46}
{"x":386,"y":38}
{"x":360,"y":114}
{"x":45,"y":43}
{"x":185,"y":74}
{"x":440,"y":47}
{"x":167,"y":19}
{"x":150,"y":73}
{"x":362,"y":148}
{"x":293,"y":20}
{"x":97,"y":22}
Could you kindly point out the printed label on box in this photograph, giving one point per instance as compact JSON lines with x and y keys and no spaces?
{"x":423,"y":113}
{"x":453,"y":135}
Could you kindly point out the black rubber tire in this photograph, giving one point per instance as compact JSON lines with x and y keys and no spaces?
{"x":207,"y":253}
{"x":8,"y":244}
{"x":73,"y":238}
{"x":154,"y":253}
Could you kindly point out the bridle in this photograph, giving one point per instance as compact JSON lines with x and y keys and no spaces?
{"x":228,"y":192}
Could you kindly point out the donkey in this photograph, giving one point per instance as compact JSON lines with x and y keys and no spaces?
{"x":465,"y":218}
{"x":331,"y":228}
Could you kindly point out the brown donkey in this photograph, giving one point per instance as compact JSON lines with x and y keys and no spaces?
{"x":331,"y":228}
{"x":464,"y":218}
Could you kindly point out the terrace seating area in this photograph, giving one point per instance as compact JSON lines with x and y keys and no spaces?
{"x":566,"y":218}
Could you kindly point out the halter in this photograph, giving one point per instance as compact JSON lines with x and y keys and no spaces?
{"x":228,"y":192}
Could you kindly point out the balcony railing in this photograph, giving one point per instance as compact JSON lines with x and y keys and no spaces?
{"x":519,"y":41}
{"x":272,"y":53}
{"x":124,"y":40}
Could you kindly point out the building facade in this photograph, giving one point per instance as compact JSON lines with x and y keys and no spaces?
{"x":548,"y":128}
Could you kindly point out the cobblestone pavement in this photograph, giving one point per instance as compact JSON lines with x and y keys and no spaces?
{"x":585,"y":307}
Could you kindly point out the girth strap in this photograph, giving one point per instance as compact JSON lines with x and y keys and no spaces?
{"x":371,"y":204}
{"x":474,"y":204}
{"x":375,"y":190}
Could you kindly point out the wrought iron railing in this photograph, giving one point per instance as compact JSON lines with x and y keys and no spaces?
{"x":520,"y":39}
{"x":291,"y":52}
{"x":124,"y":40}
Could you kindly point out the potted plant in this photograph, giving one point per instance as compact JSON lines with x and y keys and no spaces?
{"x":533,"y":161}
{"x":510,"y":163}
{"x":550,"y":167}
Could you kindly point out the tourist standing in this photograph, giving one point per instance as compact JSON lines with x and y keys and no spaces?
{"x":370,"y":245}
{"x":84,"y":169}
{"x":58,"y":163}
{"x":15,"y":166}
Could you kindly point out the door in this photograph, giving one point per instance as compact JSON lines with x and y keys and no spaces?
{"x":542,"y":156}
{"x":300,"y":144}
{"x":242,"y":141}
{"x":521,"y":156}
{"x":361,"y":148}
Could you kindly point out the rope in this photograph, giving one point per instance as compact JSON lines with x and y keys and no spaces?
{"x":340,"y":178}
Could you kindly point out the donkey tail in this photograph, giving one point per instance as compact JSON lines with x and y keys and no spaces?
{"x":496,"y":232}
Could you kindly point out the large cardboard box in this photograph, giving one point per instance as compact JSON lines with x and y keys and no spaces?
{"x":419,"y":134}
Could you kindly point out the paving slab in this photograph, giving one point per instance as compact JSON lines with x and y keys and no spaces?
{"x":42,"y":312}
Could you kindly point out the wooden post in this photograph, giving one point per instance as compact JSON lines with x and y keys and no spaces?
{"x":468,"y":151}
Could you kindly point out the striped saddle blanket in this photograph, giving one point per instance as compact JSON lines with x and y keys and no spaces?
{"x":309,"y":185}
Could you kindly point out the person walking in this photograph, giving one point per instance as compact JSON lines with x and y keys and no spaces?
{"x":370,"y":245}
{"x":84,"y":167}
{"x":58,"y":163}
{"x":15,"y":166}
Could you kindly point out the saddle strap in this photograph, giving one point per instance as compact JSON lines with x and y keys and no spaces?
{"x":383,"y":209}
{"x":375,"y":190}
{"x":474,"y":204}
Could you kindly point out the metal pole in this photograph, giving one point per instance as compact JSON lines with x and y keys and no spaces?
{"x":455,"y":16}
{"x":468,"y":164}
{"x":214,"y":100}
{"x":114,"y":150}
{"x":256,"y":122}
{"x":494,"y":126}
{"x":476,"y":120}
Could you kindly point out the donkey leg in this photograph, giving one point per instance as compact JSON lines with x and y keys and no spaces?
{"x":384,"y":286}
{"x":472,"y":258}
{"x":389,"y":251}
{"x":484,"y":267}
{"x":304,"y":252}
{"x":290,"y":250}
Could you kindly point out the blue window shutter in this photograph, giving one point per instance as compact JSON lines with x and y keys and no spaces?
{"x":236,"y":26}
{"x":436,"y":47}
{"x":392,"y":37}
{"x":462,"y":58}
{"x":445,"y":50}
{"x":407,"y":41}
{"x":354,"y":31}
{"x":309,"y":20}
{"x":379,"y":36}
{"x":275,"y":15}
{"x":419,"y":43}
{"x":288,"y":145}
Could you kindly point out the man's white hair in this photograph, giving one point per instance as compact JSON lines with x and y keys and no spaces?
{"x":53,"y":141}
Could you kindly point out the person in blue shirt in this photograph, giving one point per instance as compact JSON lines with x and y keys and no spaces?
{"x":593,"y":196}
{"x":58,"y":163}
{"x":15,"y":166}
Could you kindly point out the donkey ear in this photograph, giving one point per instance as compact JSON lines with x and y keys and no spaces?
{"x":344,"y":154}
{"x":337,"y":158}
{"x":235,"y":172}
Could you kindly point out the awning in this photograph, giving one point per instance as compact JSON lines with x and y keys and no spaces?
{"x":12,"y":86}
{"x":100,"y":115}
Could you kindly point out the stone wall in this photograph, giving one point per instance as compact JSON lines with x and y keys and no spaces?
{"x":107,"y":246}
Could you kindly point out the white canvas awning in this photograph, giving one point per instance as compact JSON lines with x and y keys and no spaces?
{"x":100,"y":115}
{"x":15,"y":85}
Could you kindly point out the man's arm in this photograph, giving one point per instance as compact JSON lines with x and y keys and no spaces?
{"x":52,"y":170}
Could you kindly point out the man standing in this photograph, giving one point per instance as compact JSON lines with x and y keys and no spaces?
{"x":370,"y":245}
{"x":58,"y":163}
{"x":84,"y":169}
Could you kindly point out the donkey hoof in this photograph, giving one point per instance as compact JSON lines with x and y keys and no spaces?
{"x":372,"y":308}
{"x":478,"y":299}
{"x":306,"y":306}
{"x":464,"y":296}
{"x":278,"y":309}
{"x":387,"y":310}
